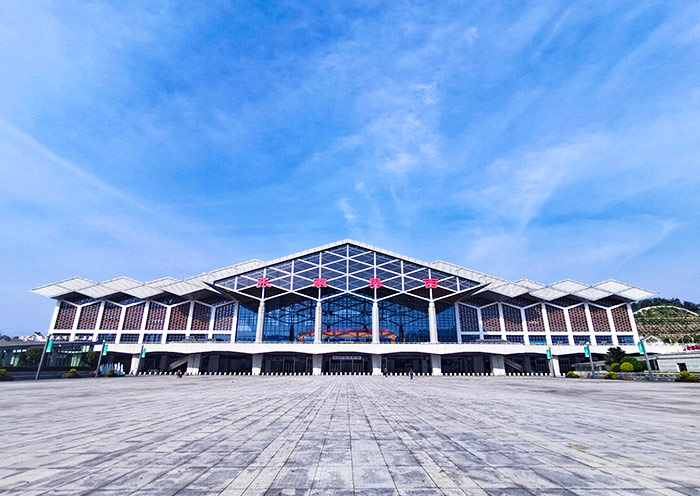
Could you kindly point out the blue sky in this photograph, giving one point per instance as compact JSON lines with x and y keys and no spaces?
{"x":542,"y":140}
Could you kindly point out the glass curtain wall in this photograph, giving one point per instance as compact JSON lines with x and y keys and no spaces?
{"x":289,"y":319}
{"x":347,"y":318}
{"x":446,"y":322}
{"x":404,"y":320}
{"x":247,"y":321}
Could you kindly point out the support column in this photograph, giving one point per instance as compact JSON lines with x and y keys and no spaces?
{"x":436,"y":363}
{"x":317,"y":364}
{"x":257,"y":363}
{"x":376,"y":365}
{"x":135,"y":362}
{"x":213,"y":364}
{"x":260,"y":323}
{"x":527,"y":364}
{"x":193,"y":362}
{"x":375,"y":322}
{"x":554,"y":366}
{"x":501,"y":321}
{"x":318,"y":323}
{"x":432,"y":323}
{"x":458,"y":323}
{"x":632,"y":322}
{"x":498,"y":365}
{"x":163,"y":363}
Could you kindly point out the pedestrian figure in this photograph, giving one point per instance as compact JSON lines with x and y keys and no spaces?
{"x":411,"y":374}
{"x":179,"y":374}
{"x":386,"y":372}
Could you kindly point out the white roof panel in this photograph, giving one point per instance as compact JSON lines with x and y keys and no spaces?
{"x":548,"y":293}
{"x":569,"y":286}
{"x":592,"y":294}
{"x":636,"y":294}
{"x":98,"y":291}
{"x":530,"y":284}
{"x":612,"y":286}
{"x":143,"y":291}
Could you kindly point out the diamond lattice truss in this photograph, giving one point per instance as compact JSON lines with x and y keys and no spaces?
{"x":345,"y":266}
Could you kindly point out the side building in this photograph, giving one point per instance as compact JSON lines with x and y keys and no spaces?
{"x":346,"y":307}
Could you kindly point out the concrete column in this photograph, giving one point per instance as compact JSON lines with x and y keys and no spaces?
{"x":611,"y":323}
{"x":257,"y":363}
{"x":554,"y":365}
{"x":213,"y":363}
{"x":458,"y":322}
{"x":498,"y":365}
{"x":318,"y":323}
{"x":317,"y":364}
{"x":436,"y":363}
{"x":501,"y":321}
{"x":527,"y":364}
{"x":135,"y":362}
{"x":193,"y":362}
{"x":376,"y":365}
{"x":432,"y":323}
{"x":632,"y":322}
{"x":545,"y":319}
{"x":163,"y":363}
{"x":375,"y":322}
{"x":260,"y":323}
{"x":479,"y":364}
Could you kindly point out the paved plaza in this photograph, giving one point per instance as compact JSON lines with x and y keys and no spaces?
{"x":344,"y":435}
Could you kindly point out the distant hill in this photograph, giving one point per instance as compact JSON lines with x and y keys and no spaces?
{"x":671,"y":320}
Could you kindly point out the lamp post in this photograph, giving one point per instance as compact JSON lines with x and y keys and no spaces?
{"x":99,"y":360}
{"x":48,"y":347}
{"x":643,"y":349}
{"x":587,"y":352}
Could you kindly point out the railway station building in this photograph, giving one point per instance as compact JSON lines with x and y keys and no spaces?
{"x":346,"y":307}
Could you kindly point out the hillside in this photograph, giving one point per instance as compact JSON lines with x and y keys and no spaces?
{"x":672,"y":324}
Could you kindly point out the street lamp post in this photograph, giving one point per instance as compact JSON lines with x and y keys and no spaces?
{"x":587,"y":352}
{"x":99,"y":360}
{"x":643,"y":349}
{"x":48,"y":346}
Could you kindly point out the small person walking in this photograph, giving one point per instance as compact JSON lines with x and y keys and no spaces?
{"x":386,"y":372}
{"x":411,"y":374}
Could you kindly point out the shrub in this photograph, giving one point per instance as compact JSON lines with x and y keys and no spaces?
{"x":686,"y":376}
{"x":3,"y":371}
{"x":637,"y":366}
{"x":611,"y":375}
{"x":4,"y":376}
{"x":626,"y":367}
{"x":572,"y":375}
{"x":71,"y":374}
{"x":615,"y":367}
{"x":111,"y":373}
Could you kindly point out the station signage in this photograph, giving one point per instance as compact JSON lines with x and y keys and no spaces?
{"x":347,"y":357}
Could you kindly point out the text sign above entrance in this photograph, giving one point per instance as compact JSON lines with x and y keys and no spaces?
{"x":347,"y":358}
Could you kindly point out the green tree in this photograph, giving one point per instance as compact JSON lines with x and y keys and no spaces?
{"x":91,"y":357}
{"x":33,"y":355}
{"x":637,"y":366}
{"x":614,"y":355}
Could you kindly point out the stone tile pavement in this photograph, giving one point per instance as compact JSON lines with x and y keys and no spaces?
{"x":348,"y":435}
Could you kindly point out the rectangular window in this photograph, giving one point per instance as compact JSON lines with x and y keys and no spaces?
{"x":514,"y":338}
{"x":492,"y":337}
{"x":538,"y":339}
{"x":198,"y":337}
{"x":468,"y":338}
{"x":602,"y":339}
{"x":581,"y":340}
{"x":129,"y":338}
{"x":222,"y":338}
{"x":625,"y":339}
{"x":83,"y":337}
{"x":107,"y":338}
{"x":560,"y":339}
{"x":173,"y":338}
{"x":153,"y":338}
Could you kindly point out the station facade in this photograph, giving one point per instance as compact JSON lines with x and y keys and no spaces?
{"x":346,"y":307}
